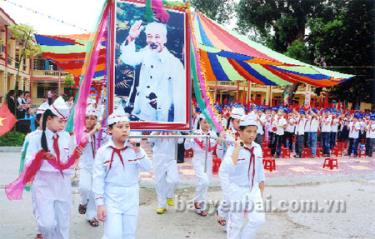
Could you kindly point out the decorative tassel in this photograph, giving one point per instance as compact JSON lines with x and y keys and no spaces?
{"x":148,"y":11}
{"x":159,"y":11}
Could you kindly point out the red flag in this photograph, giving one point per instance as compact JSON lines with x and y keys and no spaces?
{"x":7,"y":119}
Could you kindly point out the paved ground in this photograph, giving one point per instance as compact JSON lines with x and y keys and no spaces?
{"x":351,"y":189}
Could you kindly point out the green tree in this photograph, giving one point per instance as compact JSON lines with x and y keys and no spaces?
{"x":346,"y":43}
{"x":218,"y":10}
{"x":24,"y":34}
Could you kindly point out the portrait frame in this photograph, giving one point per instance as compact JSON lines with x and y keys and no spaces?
{"x":150,"y":125}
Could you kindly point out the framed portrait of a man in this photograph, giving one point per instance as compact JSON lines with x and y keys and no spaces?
{"x":150,"y":67}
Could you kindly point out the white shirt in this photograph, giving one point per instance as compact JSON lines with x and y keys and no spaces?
{"x":291,"y":125}
{"x":354,"y":130}
{"x":300,"y":128}
{"x":118,"y":176}
{"x":335,"y":125}
{"x":260,"y":123}
{"x":194,"y":143}
{"x":281,"y":122}
{"x":326,"y":124}
{"x":86,"y":160}
{"x":307,"y":125}
{"x":65,"y":145}
{"x":162,"y":74}
{"x":370,"y":133}
{"x":314,"y":125}
{"x":234,"y":176}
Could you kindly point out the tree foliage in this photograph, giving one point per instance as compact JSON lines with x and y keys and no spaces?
{"x":218,"y":10}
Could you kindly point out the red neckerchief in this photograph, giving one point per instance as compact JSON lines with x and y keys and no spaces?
{"x":203,"y":147}
{"x":252,"y":162}
{"x":57,"y":150}
{"x":118,"y":152}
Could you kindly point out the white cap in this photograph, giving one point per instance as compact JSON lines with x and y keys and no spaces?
{"x":157,"y":28}
{"x":60,"y":108}
{"x":118,"y":115}
{"x":248,"y":120}
{"x":91,"y":111}
{"x":42,"y":108}
{"x":237,"y":113}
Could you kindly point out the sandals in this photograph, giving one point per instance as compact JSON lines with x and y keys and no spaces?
{"x":82,"y":209}
{"x":198,"y":210}
{"x":38,"y":236}
{"x":222,"y":221}
{"x":93,"y":222}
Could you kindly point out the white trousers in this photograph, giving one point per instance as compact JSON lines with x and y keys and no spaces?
{"x":122,"y":205}
{"x":166,"y":179}
{"x":85,"y":191}
{"x":53,"y":201}
{"x":203,"y":178}
{"x":243,"y":223}
{"x":119,"y":226}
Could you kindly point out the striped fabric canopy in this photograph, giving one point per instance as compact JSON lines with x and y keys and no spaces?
{"x":69,"y":52}
{"x":228,"y":56}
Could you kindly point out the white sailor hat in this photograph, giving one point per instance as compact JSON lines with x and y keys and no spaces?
{"x":60,"y":108}
{"x":118,"y":115}
{"x":248,"y":120}
{"x":42,"y":108}
{"x":91,"y":111}
{"x":156,"y":28}
{"x":237,"y":113}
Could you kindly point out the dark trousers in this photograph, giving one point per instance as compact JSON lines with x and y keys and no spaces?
{"x":333,"y":139}
{"x":288,"y":136}
{"x":259,"y":139}
{"x":180,"y":153}
{"x":326,"y":142}
{"x":306,"y":140}
{"x":277,"y":145}
{"x":353,"y":146}
{"x":299,"y":144}
{"x":271,"y":139}
{"x":369,"y":146}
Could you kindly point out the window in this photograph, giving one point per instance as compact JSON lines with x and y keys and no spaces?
{"x":43,"y":88}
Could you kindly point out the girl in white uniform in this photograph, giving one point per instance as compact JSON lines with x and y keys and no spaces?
{"x":116,"y":179}
{"x":165,"y":169}
{"x":51,"y":191}
{"x":87,"y":204}
{"x":242,"y":178}
{"x":202,"y":168}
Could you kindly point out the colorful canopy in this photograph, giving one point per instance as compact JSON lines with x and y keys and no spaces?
{"x":69,"y":52}
{"x":228,"y":56}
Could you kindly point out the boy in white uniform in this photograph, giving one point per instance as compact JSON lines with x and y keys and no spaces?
{"x":165,"y":168}
{"x":354,"y":127}
{"x":242,"y":177}
{"x":370,"y":135}
{"x":87,"y":204}
{"x":116,"y":179}
{"x":202,"y":168}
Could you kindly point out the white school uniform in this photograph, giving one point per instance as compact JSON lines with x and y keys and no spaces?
{"x":116,"y":186}
{"x":370,"y":132}
{"x":199,"y":166}
{"x":354,"y":130}
{"x":165,"y":167}
{"x":86,"y":164}
{"x":239,"y":183}
{"x":51,"y":191}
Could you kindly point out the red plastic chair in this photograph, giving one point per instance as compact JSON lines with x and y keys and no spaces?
{"x":330,"y":163}
{"x":269,"y":164}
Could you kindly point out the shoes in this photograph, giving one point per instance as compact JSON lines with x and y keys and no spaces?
{"x":170,"y":202}
{"x":39,"y":236}
{"x":160,"y":210}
